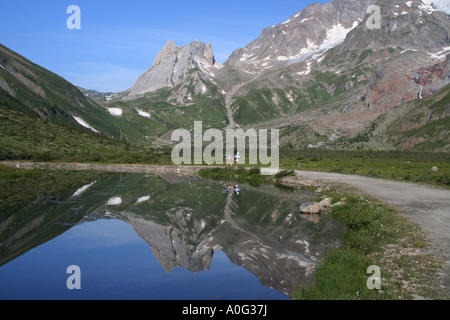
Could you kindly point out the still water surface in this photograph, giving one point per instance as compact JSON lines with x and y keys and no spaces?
{"x":137,"y":236}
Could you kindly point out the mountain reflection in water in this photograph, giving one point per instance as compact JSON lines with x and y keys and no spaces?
{"x":185,"y":221}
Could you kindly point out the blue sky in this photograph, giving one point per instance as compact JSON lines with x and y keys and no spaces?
{"x":118,"y":40}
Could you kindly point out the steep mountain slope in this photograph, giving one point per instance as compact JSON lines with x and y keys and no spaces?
{"x":31,"y":88}
{"x":24,"y":136}
{"x":422,"y":124}
{"x":318,"y":28}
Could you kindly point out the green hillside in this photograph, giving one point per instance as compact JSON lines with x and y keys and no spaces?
{"x":29,"y":88}
{"x":26,"y":137}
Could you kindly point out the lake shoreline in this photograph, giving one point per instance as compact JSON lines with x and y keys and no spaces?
{"x":396,"y":249}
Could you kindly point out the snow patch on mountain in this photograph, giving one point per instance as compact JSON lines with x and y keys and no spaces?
{"x":144,"y":114}
{"x":440,"y":55}
{"x":307,"y":71}
{"x":335,"y":36}
{"x":441,"y":5}
{"x":114,"y":201}
{"x":142,"y":199}
{"x":115,"y":111}
{"x":85,"y":124}
{"x":430,"y":6}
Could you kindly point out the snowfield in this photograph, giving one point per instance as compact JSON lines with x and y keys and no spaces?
{"x":85,"y":124}
{"x":115,"y":201}
{"x":115,"y":111}
{"x":144,"y":114}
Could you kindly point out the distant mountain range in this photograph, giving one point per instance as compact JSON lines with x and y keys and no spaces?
{"x":322,"y":77}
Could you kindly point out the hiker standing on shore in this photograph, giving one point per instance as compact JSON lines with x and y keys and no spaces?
{"x":236,"y":158}
{"x":229,"y":159}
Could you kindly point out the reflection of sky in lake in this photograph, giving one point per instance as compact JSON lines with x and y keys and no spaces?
{"x":117,"y":264}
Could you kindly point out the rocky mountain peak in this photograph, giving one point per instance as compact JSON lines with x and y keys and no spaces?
{"x":173,"y":65}
{"x":169,"y":49}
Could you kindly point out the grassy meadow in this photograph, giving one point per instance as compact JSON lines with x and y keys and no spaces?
{"x":395,"y":165}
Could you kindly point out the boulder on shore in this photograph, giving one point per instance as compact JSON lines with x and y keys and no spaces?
{"x":311,"y":207}
{"x":340,"y":203}
{"x":326,"y":202}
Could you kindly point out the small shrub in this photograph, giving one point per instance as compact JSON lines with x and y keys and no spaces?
{"x":284,"y":173}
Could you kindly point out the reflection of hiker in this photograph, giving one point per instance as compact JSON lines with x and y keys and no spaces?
{"x":228,"y":187}
{"x":236,"y":188}
{"x":236,"y":158}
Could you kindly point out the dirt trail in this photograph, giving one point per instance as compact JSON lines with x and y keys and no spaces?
{"x":425,"y":205}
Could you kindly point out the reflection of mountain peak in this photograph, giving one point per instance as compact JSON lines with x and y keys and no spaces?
{"x":279,"y":255}
{"x":174,"y":247}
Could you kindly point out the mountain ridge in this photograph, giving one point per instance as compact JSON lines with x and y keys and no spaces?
{"x":326,"y":65}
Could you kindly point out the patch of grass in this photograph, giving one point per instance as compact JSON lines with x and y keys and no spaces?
{"x":395,"y":165}
{"x":367,"y":223}
{"x":341,"y":276}
{"x":364,"y":54}
{"x":252,"y":176}
{"x":284,"y":173}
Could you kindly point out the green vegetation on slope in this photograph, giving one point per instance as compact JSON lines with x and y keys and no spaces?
{"x":30,"y":88}
{"x":425,"y":125}
{"x":27,"y":137}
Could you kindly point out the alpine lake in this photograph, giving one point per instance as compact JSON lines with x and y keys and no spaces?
{"x":162,"y":237}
